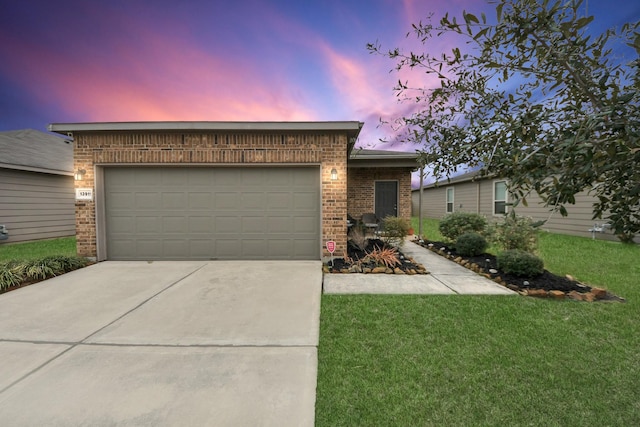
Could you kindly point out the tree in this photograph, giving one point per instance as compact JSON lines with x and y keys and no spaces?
{"x":533,"y":98}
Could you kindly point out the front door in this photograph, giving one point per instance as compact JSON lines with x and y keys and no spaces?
{"x":386,"y":198}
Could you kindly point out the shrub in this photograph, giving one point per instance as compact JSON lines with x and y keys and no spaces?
{"x":386,"y":256}
{"x":40,"y":269}
{"x":394,"y":230}
{"x":458,"y":223}
{"x":515,"y":232}
{"x":13,"y":273}
{"x":520,"y":263}
{"x":66,"y":263}
{"x":471,"y":244}
{"x":10,"y":275}
{"x":357,"y":238}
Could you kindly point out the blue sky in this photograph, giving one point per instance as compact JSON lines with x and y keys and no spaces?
{"x":242,"y":60}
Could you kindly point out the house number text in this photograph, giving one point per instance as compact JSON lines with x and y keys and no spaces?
{"x":84,"y":193}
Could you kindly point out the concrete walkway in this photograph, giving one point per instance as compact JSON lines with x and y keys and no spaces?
{"x":163,"y":344}
{"x":445,"y":278}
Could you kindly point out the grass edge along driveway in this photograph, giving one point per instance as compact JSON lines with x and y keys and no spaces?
{"x":481,"y":360}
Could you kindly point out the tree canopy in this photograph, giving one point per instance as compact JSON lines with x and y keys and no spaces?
{"x":534,"y":97}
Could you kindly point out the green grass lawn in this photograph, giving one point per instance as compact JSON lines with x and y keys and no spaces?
{"x":488,"y":360}
{"x":429,"y":229}
{"x":42,"y":248}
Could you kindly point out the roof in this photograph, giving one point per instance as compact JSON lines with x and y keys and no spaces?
{"x":360,"y":157}
{"x":475,"y":175}
{"x":351,"y":127}
{"x":36,"y":151}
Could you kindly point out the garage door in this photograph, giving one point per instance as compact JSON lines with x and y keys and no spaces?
{"x":165,"y":213}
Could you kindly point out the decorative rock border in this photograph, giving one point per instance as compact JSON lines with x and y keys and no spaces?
{"x":357,"y":268}
{"x":594,"y":295}
{"x":591,"y":295}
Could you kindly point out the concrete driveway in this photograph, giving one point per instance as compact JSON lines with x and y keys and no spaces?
{"x":163,"y":343}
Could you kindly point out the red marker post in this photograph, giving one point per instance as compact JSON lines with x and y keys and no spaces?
{"x":331,"y":247}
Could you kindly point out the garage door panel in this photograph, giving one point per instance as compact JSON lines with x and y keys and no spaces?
{"x":147,"y":200}
{"x":173,"y":225}
{"x":148,"y":248}
{"x":125,"y":247}
{"x":279,"y":224}
{"x":305,"y":181}
{"x":175,"y":248}
{"x":200,"y":248}
{"x":250,"y":225}
{"x":123,"y":178}
{"x":151,"y":178}
{"x":226,"y":201}
{"x":199,"y":224}
{"x":226,"y":177}
{"x":199,"y":177}
{"x":212,"y":213}
{"x":200,"y":200}
{"x":173,"y":201}
{"x":278,"y":178}
{"x":279,"y":201}
{"x":253,"y":248}
{"x":306,"y":201}
{"x":176,"y":177}
{"x":227,"y":224}
{"x":278,"y":248}
{"x":122,"y":224}
{"x":251,"y":177}
{"x":307,"y":224}
{"x":148,"y":225}
{"x":252,"y":201}
{"x":121,"y":200}
{"x":227,"y":248}
{"x":303,"y":249}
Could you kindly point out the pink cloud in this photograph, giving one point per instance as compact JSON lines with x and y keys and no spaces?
{"x":143,"y":75}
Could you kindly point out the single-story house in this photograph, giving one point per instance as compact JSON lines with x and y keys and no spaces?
{"x":36,"y":186}
{"x":227,"y":190}
{"x":489,"y":196}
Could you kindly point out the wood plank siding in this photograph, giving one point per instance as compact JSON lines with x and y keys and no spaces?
{"x":477,"y":197}
{"x":36,"y":205}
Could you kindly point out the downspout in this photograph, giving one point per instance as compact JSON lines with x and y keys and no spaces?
{"x":420,"y":204}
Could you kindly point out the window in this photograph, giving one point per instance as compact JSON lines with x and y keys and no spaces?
{"x":449,"y":200}
{"x":499,"y":197}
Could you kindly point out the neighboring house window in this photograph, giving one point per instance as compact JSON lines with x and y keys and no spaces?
{"x":499,"y":197}
{"x":449,"y":200}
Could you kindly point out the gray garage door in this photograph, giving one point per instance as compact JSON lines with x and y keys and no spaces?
{"x":165,"y":213}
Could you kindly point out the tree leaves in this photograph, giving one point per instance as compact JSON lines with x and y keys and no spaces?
{"x":535,"y":99}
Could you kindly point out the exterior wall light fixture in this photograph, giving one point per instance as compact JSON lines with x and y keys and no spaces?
{"x":334,"y":174}
{"x":79,"y":175}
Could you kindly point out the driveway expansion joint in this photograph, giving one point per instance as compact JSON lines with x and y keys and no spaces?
{"x":142,"y":303}
{"x":37,"y":368}
{"x":75,"y":344}
{"x":105,"y":344}
{"x":197,"y":345}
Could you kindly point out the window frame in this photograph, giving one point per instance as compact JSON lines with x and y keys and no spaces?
{"x":506,"y":197}
{"x":446,"y":199}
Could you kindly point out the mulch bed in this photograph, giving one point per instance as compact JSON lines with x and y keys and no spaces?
{"x":356,"y":262}
{"x":546,"y":284}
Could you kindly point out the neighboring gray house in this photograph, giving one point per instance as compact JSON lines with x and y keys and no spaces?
{"x":489,"y":196}
{"x":36,"y":186}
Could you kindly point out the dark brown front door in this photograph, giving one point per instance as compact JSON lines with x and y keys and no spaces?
{"x":386,"y":198}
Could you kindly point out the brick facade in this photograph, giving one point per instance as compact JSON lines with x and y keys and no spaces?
{"x":327,"y":149}
{"x":361,"y":189}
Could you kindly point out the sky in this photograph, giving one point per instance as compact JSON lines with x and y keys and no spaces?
{"x":217,"y":60}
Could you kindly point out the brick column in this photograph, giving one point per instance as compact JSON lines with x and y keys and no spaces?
{"x":334,"y":194}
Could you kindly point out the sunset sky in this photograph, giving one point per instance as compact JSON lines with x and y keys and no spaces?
{"x":215,"y":60}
